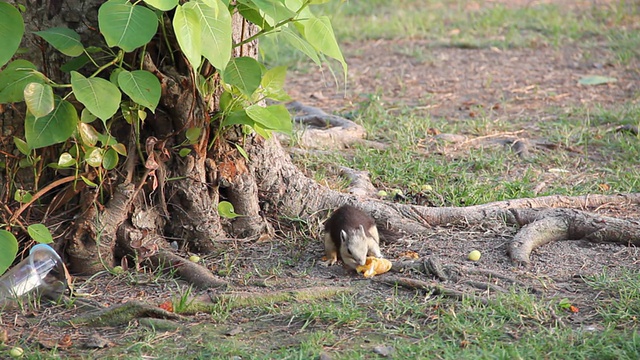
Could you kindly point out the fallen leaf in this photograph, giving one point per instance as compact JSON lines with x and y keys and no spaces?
{"x":235,"y":331}
{"x":385,"y":351}
{"x":410,"y":255}
{"x":167,"y":305}
{"x":596,"y":80}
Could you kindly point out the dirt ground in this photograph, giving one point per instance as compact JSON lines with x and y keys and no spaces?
{"x":445,"y":82}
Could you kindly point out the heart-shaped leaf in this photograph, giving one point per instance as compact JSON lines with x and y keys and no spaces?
{"x":125,"y":25}
{"x":9,"y":247}
{"x":14,"y":78}
{"x":215,"y":26}
{"x":225,"y":209}
{"x":186,"y":25}
{"x":55,"y":127}
{"x":100,"y":96}
{"x":63,"y":39}
{"x":12,"y":29}
{"x":244,"y":73}
{"x":142,"y":87}
{"x":40,"y":233}
{"x":164,"y":5}
{"x":39,"y":99}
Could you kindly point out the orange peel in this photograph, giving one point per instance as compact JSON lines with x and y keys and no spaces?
{"x":374,"y":266}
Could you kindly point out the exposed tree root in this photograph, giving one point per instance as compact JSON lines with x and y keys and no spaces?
{"x":121,"y":315}
{"x":541,"y":227}
{"x":195,"y":274}
{"x":431,"y":287}
{"x":433,"y":267}
{"x":360,"y":183}
{"x":323,"y":130}
{"x":212,"y":301}
{"x":562,"y":223}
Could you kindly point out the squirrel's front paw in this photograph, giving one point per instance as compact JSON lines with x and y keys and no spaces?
{"x":327,"y":262}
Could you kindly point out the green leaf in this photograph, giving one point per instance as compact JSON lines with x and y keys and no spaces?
{"x":94,"y":157}
{"x":110,"y":159}
{"x":39,"y":99}
{"x":75,"y":63}
{"x":22,"y":146}
{"x":301,"y":45}
{"x":142,"y":87}
{"x":274,"y":117}
{"x":8,"y":249}
{"x":22,"y":196}
{"x":184,"y":152}
{"x":275,"y":10}
{"x":14,"y":78}
{"x":192,"y":134}
{"x":88,"y":134}
{"x":88,"y":182}
{"x":242,"y":151}
{"x":319,"y":33}
{"x":215,"y":27}
{"x":100,"y":96}
{"x":125,"y":25}
{"x":596,"y":80}
{"x":236,"y":118}
{"x":63,"y":39}
{"x":66,"y":160}
{"x":12,"y":29}
{"x":273,"y":83}
{"x":225,"y":209}
{"x":54,"y":128}
{"x":87,"y":117}
{"x":120,"y":149}
{"x":186,"y":25}
{"x":244,"y":73}
{"x":251,"y":13}
{"x":40,"y":233}
{"x":164,"y":5}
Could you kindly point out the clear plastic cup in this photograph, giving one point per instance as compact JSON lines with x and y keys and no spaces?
{"x":41,"y":269}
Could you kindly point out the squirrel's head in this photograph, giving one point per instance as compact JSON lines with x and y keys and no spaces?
{"x":354,"y":247}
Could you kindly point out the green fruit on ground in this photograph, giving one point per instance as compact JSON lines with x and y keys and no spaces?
{"x":16,"y":352}
{"x":474,"y":255}
{"x":194,"y":258}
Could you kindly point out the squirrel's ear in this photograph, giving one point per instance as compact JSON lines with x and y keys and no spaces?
{"x":343,"y":235}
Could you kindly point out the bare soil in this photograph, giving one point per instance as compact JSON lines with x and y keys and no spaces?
{"x":452,"y":83}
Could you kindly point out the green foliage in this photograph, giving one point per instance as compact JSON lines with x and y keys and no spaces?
{"x":225,"y":209}
{"x":203,"y":30}
{"x":40,"y":233}
{"x":12,"y":29}
{"x":64,"y":40}
{"x":8,"y":250}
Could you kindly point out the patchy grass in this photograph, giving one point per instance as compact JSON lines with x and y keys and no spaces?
{"x":478,"y":24}
{"x":415,"y":325}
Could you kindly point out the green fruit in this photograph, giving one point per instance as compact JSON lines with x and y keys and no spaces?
{"x":474,"y":255}
{"x":382,"y":193}
{"x":117,"y":270}
{"x":16,"y":352}
{"x":396,"y":192}
{"x":194,"y":258}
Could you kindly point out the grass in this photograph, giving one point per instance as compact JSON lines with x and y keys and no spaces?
{"x":514,"y":325}
{"x":461,"y":24}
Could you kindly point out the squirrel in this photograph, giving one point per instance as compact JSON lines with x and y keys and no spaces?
{"x":353,"y":235}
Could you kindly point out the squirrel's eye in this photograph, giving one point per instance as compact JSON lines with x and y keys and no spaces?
{"x":349,"y":251}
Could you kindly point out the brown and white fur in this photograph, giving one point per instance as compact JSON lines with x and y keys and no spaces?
{"x":351,"y":233}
